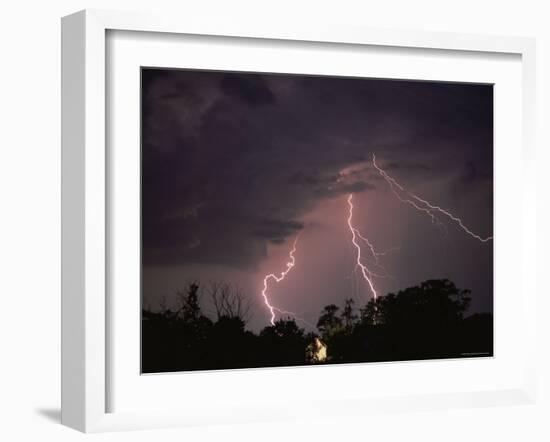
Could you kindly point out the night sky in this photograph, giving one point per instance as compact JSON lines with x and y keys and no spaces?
{"x":236,"y":165}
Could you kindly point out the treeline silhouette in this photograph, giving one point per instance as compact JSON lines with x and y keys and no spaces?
{"x":422,"y":322}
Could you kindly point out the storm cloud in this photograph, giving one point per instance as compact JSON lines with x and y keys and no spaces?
{"x":233,"y":160}
{"x":234,"y":164}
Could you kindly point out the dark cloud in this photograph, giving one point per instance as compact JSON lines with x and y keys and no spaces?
{"x":276,"y":230}
{"x":344,"y":188}
{"x":395,"y":165}
{"x":474,"y":179}
{"x":232,"y":161}
{"x":251,"y":89}
{"x":311,"y":178}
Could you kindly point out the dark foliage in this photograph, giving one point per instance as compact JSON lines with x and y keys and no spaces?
{"x":421,"y":322}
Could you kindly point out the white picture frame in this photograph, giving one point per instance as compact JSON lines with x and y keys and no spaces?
{"x":85,"y":202}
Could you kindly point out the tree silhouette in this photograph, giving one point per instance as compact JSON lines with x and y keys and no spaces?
{"x":421,"y":322}
{"x":329,"y":322}
{"x":229,"y":301}
{"x":283,"y":342}
{"x":431,"y":301}
{"x":348,"y":314}
{"x":190,"y":309}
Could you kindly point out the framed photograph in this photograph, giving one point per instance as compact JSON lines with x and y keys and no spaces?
{"x":267,"y":222}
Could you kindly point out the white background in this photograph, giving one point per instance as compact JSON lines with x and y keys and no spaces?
{"x":30,"y":218}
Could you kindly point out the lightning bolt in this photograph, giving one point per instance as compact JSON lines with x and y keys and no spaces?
{"x":294,"y":315}
{"x":424,"y":205}
{"x":272,"y":276}
{"x":376,"y":255}
{"x":367,"y":274}
{"x":357,"y":239}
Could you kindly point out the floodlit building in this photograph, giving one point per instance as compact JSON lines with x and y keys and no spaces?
{"x":316,"y":352}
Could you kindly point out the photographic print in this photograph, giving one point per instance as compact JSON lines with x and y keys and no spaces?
{"x":293,"y":220}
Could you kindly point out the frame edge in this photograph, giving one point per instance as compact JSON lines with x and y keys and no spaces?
{"x":83,"y":386}
{"x":73,"y":80}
